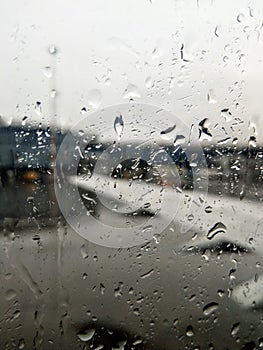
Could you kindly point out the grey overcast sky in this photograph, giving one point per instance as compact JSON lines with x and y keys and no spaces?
{"x":169,"y":53}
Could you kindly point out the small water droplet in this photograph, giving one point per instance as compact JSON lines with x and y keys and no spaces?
{"x":47,"y":71}
{"x":252,"y":142}
{"x":232,"y":274}
{"x":131,"y":91}
{"x":204,"y":132}
{"x":208,"y":209}
{"x":52,"y":49}
{"x":87,"y":335}
{"x":21,"y":343}
{"x":148,"y":82}
{"x":53,"y":93}
{"x":189,"y":331}
{"x":210,"y":308}
{"x":157,"y":238}
{"x":94,"y":98}
{"x":219,"y":227}
{"x":179,"y":139}
{"x":38,"y":108}
{"x":221,"y":293}
{"x":235,"y":329}
{"x":24,"y":120}
{"x":226,"y":114}
{"x":118,"y":126}
{"x":84,"y":251}
{"x":137,"y":342}
{"x":240,"y":17}
{"x":211,"y":96}
{"x":136,"y":312}
{"x":147,"y":228}
{"x":217,"y":31}
{"x":102,"y":289}
{"x":166,"y":131}
{"x":83,"y":110}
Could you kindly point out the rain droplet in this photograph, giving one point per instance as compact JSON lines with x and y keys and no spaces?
{"x":52,"y":49}
{"x":189,"y":331}
{"x":38,"y":108}
{"x":217,"y":31}
{"x":163,"y":133}
{"x":94,"y":98}
{"x":102,"y":289}
{"x":232,"y":274}
{"x":226,"y":114}
{"x":136,"y":312}
{"x":219,"y":227}
{"x":157,"y":238}
{"x":137,"y":342}
{"x":204,"y":133}
{"x":24,"y":120}
{"x":235,"y":329}
{"x":131,"y":91}
{"x":87,"y":335}
{"x":47,"y":71}
{"x":210,"y":308}
{"x":240,"y":17}
{"x":208,"y":209}
{"x":179,"y":139}
{"x":53,"y":93}
{"x":211,"y":96}
{"x":148,"y":82}
{"x":147,"y":228}
{"x":221,"y":293}
{"x":84,"y":251}
{"x":83,"y":110}
{"x":118,"y":126}
{"x":21,"y":343}
{"x":252,"y":142}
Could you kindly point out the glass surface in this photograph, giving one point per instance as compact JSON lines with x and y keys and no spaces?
{"x":131,"y":168}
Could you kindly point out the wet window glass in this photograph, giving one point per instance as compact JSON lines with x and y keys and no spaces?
{"x":131,"y":175}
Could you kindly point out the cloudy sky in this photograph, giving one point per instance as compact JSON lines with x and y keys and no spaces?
{"x":193,"y":58}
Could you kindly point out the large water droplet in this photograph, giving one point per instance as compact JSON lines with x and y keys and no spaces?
{"x":219,"y":227}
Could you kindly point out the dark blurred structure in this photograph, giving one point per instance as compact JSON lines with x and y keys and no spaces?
{"x":27,"y":153}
